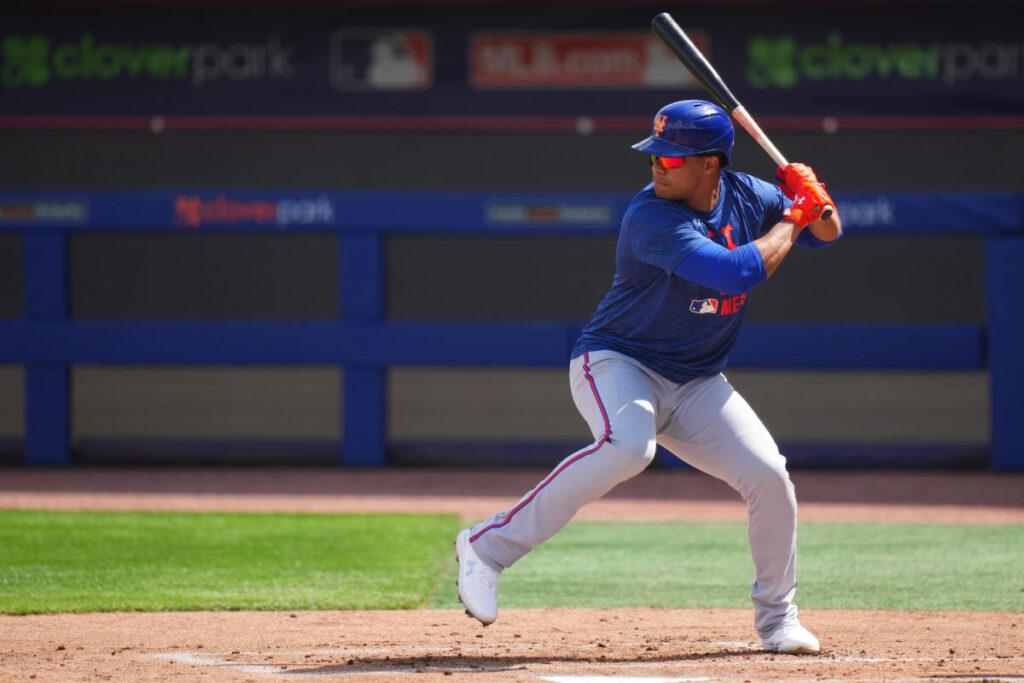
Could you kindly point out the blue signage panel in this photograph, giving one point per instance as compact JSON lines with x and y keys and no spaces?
{"x":382,"y":211}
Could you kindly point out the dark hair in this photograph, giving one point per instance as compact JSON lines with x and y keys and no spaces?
{"x":722,"y":160}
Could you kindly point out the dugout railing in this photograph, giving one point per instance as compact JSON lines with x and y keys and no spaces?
{"x":47,"y":340}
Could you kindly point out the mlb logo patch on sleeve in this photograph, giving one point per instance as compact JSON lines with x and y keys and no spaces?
{"x":702,"y":306}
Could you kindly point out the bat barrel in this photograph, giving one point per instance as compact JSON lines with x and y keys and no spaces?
{"x":666,"y":28}
{"x":672,"y":34}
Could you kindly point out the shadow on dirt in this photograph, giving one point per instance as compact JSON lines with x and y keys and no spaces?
{"x":496,"y":663}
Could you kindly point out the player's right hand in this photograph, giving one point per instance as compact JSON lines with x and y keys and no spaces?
{"x":809,"y":200}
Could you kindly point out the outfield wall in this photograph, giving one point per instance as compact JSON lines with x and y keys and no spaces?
{"x":386,"y":101}
{"x":133,"y":337}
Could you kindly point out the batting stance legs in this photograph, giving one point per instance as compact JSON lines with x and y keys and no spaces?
{"x":630,"y":409}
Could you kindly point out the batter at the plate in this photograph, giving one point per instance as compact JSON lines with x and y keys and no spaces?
{"x":647,"y":368}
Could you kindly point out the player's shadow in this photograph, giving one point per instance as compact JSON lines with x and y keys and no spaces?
{"x":493,"y":663}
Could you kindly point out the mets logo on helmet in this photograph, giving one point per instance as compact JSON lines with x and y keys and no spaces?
{"x":704,"y":306}
{"x":659,"y":125}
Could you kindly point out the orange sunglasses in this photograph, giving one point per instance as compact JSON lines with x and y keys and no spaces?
{"x":668,"y":162}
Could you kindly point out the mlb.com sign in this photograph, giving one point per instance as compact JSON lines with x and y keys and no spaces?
{"x":576,"y":60}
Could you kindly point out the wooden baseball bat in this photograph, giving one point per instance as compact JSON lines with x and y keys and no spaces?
{"x":666,"y":28}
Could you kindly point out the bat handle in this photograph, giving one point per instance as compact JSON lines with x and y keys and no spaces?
{"x":750,"y":125}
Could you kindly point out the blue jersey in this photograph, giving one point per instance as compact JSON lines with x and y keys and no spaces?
{"x":680,"y":329}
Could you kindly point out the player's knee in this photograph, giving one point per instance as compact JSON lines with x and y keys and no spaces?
{"x":768,"y":479}
{"x":634,"y":454}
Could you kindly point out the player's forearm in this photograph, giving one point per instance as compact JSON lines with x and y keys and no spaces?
{"x":728,"y":271}
{"x":775,"y":245}
{"x":827,"y":230}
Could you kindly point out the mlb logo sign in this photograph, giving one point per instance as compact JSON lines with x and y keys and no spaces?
{"x":704,"y":306}
{"x":363,"y":59}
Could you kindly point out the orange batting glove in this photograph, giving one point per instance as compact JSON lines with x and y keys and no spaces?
{"x":792,"y":176}
{"x":809,"y":200}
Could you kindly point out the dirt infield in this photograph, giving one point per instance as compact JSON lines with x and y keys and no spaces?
{"x":523,"y":645}
{"x":575,"y":646}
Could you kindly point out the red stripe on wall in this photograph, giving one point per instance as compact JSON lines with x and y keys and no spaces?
{"x":579,"y":124}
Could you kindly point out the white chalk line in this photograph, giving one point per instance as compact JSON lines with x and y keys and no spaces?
{"x":217,"y":659}
{"x":620,"y":679}
{"x":476,"y":648}
{"x":732,"y":679}
{"x":212,"y":660}
{"x":520,"y":644}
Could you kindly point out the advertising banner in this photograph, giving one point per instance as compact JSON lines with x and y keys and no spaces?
{"x":589,"y":60}
{"x":380,"y":211}
{"x":496,"y":60}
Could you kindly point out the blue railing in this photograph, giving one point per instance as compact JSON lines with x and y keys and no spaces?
{"x":47,"y":340}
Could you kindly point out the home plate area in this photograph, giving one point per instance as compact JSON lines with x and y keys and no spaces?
{"x":631,"y":645}
{"x":718,"y":663}
{"x":558,"y":645}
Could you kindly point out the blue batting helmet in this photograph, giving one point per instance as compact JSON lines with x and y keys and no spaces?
{"x":689,"y":127}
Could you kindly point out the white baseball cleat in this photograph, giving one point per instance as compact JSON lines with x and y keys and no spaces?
{"x":478,"y":583}
{"x":792,"y":639}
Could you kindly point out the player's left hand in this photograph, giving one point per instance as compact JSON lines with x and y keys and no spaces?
{"x":792,"y":176}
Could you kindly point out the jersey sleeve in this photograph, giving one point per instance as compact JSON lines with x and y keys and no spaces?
{"x":662,"y":234}
{"x":775,"y":202}
{"x":728,"y":271}
{"x":806,"y":238}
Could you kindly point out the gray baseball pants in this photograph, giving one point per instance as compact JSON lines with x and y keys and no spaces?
{"x":706,"y":423}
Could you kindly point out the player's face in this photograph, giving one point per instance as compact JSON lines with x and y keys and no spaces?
{"x":676,"y":183}
{"x":681,"y":183}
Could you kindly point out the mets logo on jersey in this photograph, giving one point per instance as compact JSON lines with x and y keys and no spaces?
{"x":704,"y":306}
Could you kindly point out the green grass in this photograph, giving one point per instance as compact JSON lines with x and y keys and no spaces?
{"x":102,"y":561}
{"x":912,"y":566}
{"x":707,"y":564}
{"x":107,"y":561}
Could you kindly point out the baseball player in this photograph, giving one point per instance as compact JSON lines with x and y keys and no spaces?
{"x":647,"y":368}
